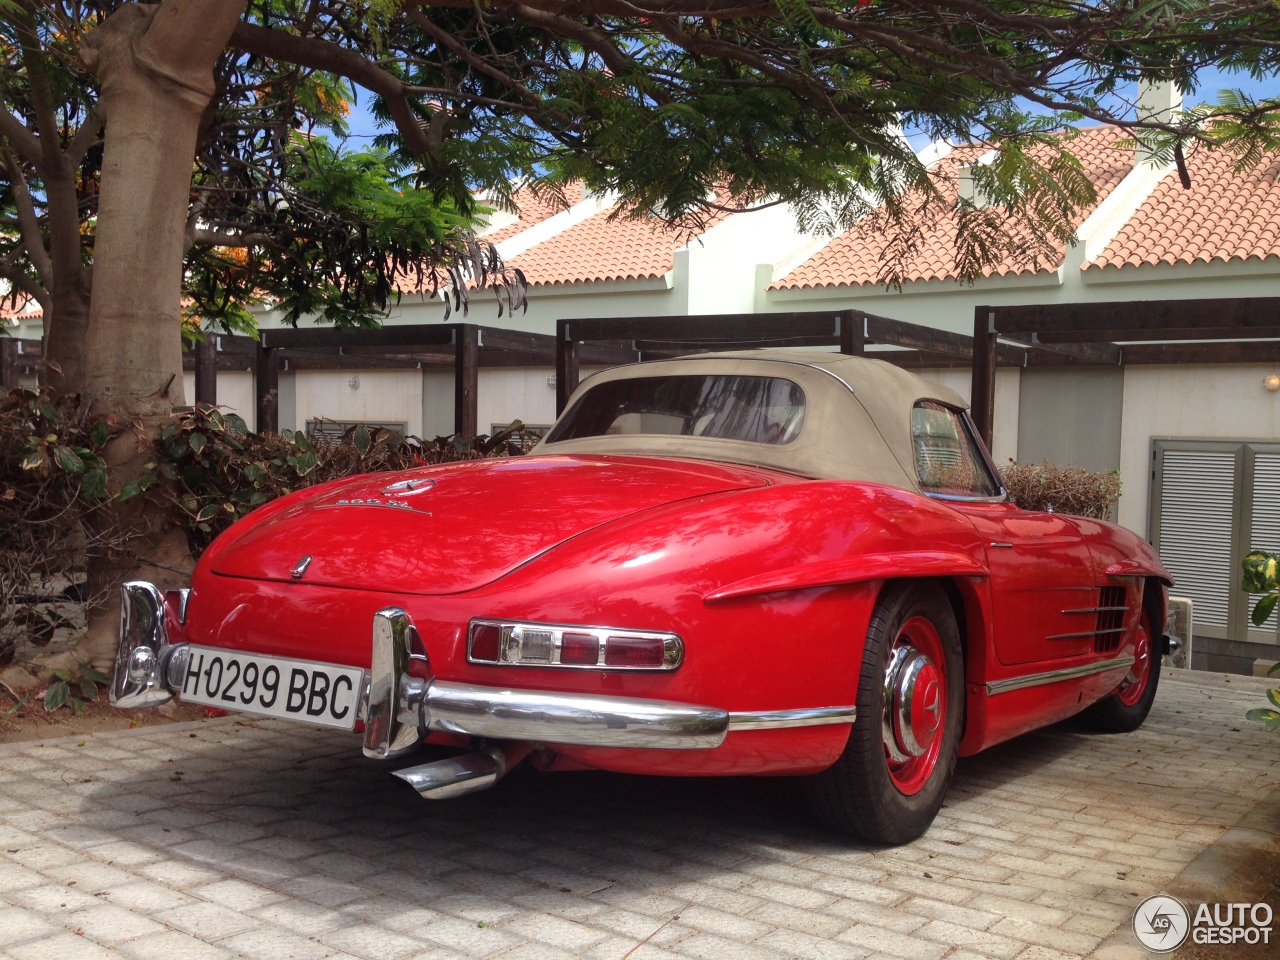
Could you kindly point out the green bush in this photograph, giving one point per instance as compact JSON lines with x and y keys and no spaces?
{"x":1262,"y":575}
{"x":209,"y":470}
{"x":206,"y":470}
{"x":1072,"y":490}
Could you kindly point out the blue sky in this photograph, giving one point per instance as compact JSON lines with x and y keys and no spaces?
{"x":363,"y":127}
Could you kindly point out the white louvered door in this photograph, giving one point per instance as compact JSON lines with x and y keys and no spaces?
{"x":1195,"y":531}
{"x":1264,"y":533}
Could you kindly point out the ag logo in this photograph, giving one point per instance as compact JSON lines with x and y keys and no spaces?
{"x":1161,"y":923}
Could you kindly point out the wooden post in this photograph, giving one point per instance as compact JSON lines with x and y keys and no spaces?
{"x":8,"y":364}
{"x":853,"y":333}
{"x":466,"y":379}
{"x":566,"y":365}
{"x":205,"y":353}
{"x":267,"y":385}
{"x":982,"y":398}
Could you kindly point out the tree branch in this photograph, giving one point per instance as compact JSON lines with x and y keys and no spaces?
{"x":323,"y":55}
{"x":216,"y":238}
{"x":599,"y":44}
{"x":83,"y":139}
{"x":32,"y":238}
{"x":23,"y":140}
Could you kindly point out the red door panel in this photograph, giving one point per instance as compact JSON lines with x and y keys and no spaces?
{"x":1042,"y":589}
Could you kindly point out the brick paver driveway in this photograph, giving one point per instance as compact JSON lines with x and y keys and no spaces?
{"x":267,"y":840}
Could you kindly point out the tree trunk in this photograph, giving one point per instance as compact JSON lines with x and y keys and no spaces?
{"x":155,"y":64}
{"x":66,"y":327}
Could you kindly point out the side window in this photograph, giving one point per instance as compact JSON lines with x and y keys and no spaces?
{"x":947,"y":460}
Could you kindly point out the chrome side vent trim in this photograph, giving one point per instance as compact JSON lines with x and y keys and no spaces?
{"x":1112,"y":611}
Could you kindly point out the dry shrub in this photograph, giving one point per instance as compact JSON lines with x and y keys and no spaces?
{"x":1073,"y":490}
{"x":55,"y":520}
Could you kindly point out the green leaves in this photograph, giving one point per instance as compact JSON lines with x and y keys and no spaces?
{"x":361,"y":439}
{"x":1269,"y":719}
{"x":57,"y":695}
{"x":83,"y":679}
{"x":68,"y":460}
{"x":1263,"y":609}
{"x":1262,"y":575}
{"x":1261,"y":572}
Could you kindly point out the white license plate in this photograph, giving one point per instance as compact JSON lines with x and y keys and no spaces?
{"x":322,"y":693}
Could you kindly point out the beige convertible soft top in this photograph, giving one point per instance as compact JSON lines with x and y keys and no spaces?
{"x":857,"y":422}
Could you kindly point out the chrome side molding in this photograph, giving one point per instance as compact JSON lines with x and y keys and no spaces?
{"x":1054,"y":676}
{"x":573,"y":718}
{"x":785,"y":719}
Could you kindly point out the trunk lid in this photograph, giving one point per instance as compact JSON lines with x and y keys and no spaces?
{"x":448,"y":529}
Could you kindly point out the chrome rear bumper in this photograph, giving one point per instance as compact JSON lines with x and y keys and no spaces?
{"x":399,"y":709}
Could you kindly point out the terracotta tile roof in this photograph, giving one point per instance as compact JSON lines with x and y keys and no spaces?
{"x":1224,"y":216}
{"x":855,"y":258}
{"x":30,"y":310}
{"x":600,"y":249}
{"x":533,"y":210}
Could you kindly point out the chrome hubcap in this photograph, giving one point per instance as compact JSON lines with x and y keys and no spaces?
{"x":912,"y":704}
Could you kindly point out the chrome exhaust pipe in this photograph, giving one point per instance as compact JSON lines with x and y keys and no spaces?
{"x":469,"y":773}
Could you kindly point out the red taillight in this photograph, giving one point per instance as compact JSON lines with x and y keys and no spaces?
{"x":634,"y":652}
{"x":579,"y":649}
{"x":486,"y":641}
{"x":524,"y":644}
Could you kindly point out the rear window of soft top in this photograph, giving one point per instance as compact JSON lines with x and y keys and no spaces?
{"x":727,"y":407}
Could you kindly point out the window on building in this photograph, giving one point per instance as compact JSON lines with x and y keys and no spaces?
{"x":332,"y":431}
{"x":1212,"y":501}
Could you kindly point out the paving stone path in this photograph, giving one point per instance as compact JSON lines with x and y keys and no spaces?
{"x":271,"y":840}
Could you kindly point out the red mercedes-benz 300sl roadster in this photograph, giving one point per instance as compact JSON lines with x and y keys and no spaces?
{"x":758,"y":563}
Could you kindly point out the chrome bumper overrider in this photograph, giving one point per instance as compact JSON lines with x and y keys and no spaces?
{"x":148,"y":668}
{"x":400,"y":709}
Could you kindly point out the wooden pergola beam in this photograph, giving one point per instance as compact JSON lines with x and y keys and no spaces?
{"x":982,"y":391}
{"x":712,"y":328}
{"x":411,"y":335}
{"x":1242,"y":351}
{"x":1138,"y":319}
{"x":1082,"y":352}
{"x":1168,"y":333}
{"x":466,"y":378}
{"x":914,"y":336}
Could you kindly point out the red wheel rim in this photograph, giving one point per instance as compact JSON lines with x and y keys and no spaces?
{"x":1134,"y":684}
{"x":915,"y":705}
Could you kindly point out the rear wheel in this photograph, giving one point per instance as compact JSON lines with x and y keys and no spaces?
{"x":890,"y":781}
{"x":1126,"y":708}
